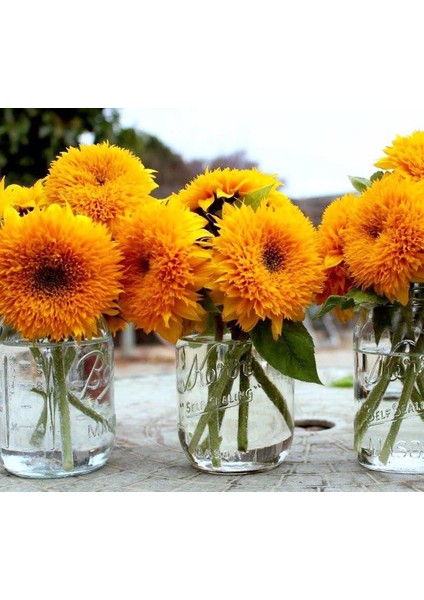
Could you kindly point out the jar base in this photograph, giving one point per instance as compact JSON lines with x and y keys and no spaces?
{"x":236,"y":468}
{"x":48,"y":465}
{"x":393,"y":465}
{"x":235,"y":462}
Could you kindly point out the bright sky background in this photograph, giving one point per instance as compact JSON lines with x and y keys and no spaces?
{"x":311,"y":90}
{"x":312,"y":149}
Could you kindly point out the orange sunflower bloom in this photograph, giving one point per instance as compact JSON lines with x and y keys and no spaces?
{"x":331,"y":247}
{"x":405,"y":156}
{"x":59,"y":273}
{"x":265,"y":265}
{"x":384,"y":239}
{"x":224,"y":184}
{"x":23,"y":199}
{"x":100,"y":181}
{"x":164,"y":268}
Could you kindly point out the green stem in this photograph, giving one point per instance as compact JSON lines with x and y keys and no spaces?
{"x":227,"y":390}
{"x":63,"y":407}
{"x":216,"y":391}
{"x":365,"y":414}
{"x":214,"y":438}
{"x":213,"y":421}
{"x":40,"y":429}
{"x":273,"y":393}
{"x":219,"y":328}
{"x":243,"y":411}
{"x":88,"y":412}
{"x":408,"y":386}
{"x":407,"y":394}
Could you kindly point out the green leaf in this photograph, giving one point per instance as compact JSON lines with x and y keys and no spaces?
{"x":353,"y":299}
{"x":343,"y":382}
{"x":255,"y":198}
{"x":377,"y":176}
{"x":342,"y":302}
{"x":292,"y":354}
{"x":361,"y":297}
{"x":360,"y":183}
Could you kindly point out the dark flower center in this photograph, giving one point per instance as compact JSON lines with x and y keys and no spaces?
{"x":144,"y":264}
{"x":272,"y":257}
{"x":50,"y":279}
{"x":100,"y":178}
{"x":373,"y":230}
{"x":24,"y":210}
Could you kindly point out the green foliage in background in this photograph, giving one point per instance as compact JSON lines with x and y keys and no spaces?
{"x":30,"y":138}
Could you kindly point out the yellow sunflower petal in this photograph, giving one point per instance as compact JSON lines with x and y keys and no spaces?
{"x":405,"y":156}
{"x":331,"y":247}
{"x":22,"y":198}
{"x":265,"y":263}
{"x":333,"y":261}
{"x":100,"y":181}
{"x":59,"y":272}
{"x":224,"y":183}
{"x":164,"y":267}
{"x":384,"y":240}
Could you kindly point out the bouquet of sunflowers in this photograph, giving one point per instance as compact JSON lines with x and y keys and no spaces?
{"x":61,"y":272}
{"x":233,"y":259}
{"x":373,"y":250}
{"x":229,"y":257}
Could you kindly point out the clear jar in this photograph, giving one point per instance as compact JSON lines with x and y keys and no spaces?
{"x":57,"y":415}
{"x":235,"y":410}
{"x":389,"y":386}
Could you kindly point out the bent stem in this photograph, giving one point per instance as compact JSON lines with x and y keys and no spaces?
{"x":408,"y":386}
{"x":365,"y":413}
{"x":63,"y":407}
{"x":216,"y":391}
{"x":273,"y":393}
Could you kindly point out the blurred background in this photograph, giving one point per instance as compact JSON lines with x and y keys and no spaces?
{"x":312,"y":150}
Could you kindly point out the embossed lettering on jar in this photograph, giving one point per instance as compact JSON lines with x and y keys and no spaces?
{"x":235,"y":410}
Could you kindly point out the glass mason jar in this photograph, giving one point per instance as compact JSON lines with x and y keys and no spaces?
{"x":57,"y":415}
{"x":235,"y":410}
{"x":389,"y":386}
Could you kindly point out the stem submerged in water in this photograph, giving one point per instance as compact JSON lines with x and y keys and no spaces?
{"x":408,"y":386}
{"x":59,"y":380}
{"x":243,"y":411}
{"x":400,"y":365}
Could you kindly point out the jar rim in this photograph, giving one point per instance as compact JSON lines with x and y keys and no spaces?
{"x":200,"y":338}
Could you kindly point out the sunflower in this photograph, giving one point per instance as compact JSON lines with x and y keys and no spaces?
{"x":405,"y":156}
{"x":59,"y":273}
{"x":209,"y":190}
{"x":277,"y":199}
{"x":265,"y":265}
{"x":164,"y":268}
{"x":23,"y":199}
{"x":330,"y":245}
{"x":384,"y":239}
{"x":100,"y":181}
